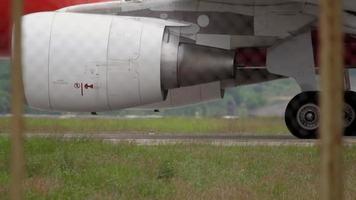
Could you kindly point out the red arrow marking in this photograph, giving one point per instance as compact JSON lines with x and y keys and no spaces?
{"x":87,"y":86}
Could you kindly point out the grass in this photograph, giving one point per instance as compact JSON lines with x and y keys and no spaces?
{"x":85,"y":169}
{"x":164,"y":125}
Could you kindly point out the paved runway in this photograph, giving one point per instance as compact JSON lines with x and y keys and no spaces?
{"x":213,"y":139}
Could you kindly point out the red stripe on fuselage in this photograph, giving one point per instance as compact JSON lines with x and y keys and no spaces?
{"x":30,"y":6}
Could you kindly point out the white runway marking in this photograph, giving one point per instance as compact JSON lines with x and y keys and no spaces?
{"x":212,"y":139}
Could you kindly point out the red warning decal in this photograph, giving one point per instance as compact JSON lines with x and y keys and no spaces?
{"x":83,"y":87}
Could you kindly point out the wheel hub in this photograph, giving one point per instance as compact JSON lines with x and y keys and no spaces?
{"x":349,"y":115}
{"x":308,"y":116}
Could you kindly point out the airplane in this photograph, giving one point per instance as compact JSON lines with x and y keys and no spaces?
{"x":98,"y":55}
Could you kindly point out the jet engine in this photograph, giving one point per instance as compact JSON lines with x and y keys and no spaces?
{"x":86,"y":62}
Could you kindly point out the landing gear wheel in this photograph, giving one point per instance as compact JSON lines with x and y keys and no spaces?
{"x":302,"y":115}
{"x":350,"y":113}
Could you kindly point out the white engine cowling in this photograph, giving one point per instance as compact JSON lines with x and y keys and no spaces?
{"x":91,"y":63}
{"x":81,"y":62}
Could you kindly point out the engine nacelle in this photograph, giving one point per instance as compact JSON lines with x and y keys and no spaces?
{"x":86,"y":62}
{"x":81,"y":62}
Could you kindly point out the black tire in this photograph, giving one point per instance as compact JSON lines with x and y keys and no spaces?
{"x":301,"y":128}
{"x":350,"y":100}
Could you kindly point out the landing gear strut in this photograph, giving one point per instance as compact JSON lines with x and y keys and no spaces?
{"x":302,"y":115}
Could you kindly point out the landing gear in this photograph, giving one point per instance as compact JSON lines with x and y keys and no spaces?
{"x":350,"y":113}
{"x":302,"y":115}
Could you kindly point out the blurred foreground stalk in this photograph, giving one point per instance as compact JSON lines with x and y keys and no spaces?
{"x":17,"y":138}
{"x":332,"y":94}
